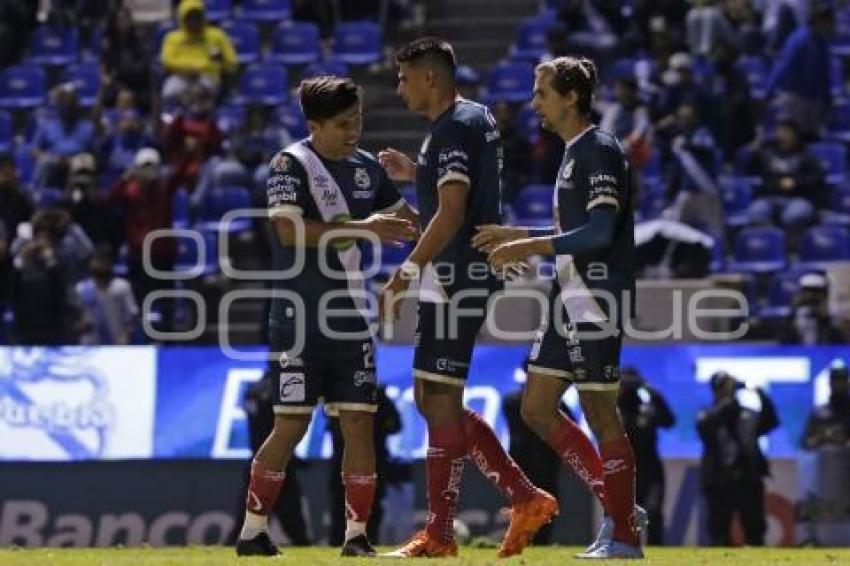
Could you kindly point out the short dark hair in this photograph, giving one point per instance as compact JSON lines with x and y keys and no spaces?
{"x":324,"y":97}
{"x":432,"y":49}
{"x":577,"y":74}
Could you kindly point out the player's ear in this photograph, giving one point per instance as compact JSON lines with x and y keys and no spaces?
{"x":313,"y":126}
{"x":572,"y":98}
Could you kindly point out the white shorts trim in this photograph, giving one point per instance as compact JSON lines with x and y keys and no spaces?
{"x":333,"y":409}
{"x":285,"y":210}
{"x":428,"y":376}
{"x":453,"y":176}
{"x":293,"y":410}
{"x":563,"y":374}
{"x":603,"y":200}
{"x":598,"y":386}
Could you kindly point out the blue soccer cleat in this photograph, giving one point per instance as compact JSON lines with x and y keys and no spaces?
{"x":606,"y":532}
{"x":613,"y":549}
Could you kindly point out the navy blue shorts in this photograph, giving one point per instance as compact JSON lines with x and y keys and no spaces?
{"x":591,"y":364}
{"x":444,"y":345}
{"x":341,"y":374}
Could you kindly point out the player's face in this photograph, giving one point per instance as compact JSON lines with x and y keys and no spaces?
{"x":412,"y":86}
{"x":551,"y":107}
{"x":339,"y":136}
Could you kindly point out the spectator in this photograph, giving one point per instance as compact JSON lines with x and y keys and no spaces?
{"x":69,"y":241}
{"x":192,"y":137}
{"x":84,"y":202}
{"x":680,"y":87}
{"x":644,"y":410}
{"x":468,"y":82}
{"x":60,"y":136}
{"x":109,"y":310}
{"x":793,"y":184}
{"x":321,"y":13}
{"x":125,"y":57}
{"x":15,"y":204}
{"x":217,"y":173}
{"x":259,"y":139}
{"x":728,"y":86}
{"x":121,"y":144}
{"x":197,"y":52}
{"x":809,"y":323}
{"x":780,"y":19}
{"x":628,"y":119}
{"x":733,"y":466}
{"x":145,"y":197}
{"x":800,"y":78}
{"x":516,"y":171}
{"x":147,"y":12}
{"x":692,"y":193}
{"x":829,"y":424}
{"x":712,"y":24}
{"x":17,"y":22}
{"x":40,"y":285}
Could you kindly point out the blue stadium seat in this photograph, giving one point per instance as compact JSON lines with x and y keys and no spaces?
{"x":25,"y":163}
{"x":839,"y":122}
{"x":86,"y":77}
{"x":220,"y":201}
{"x":295,"y":43}
{"x":245,"y":39}
{"x":652,"y":199}
{"x":217,"y":10}
{"x":758,"y":249}
{"x":527,"y":122}
{"x":266,"y":10}
{"x":358,"y":43}
{"x":839,"y":207}
{"x":533,"y":206}
{"x":22,"y":86}
{"x":291,"y":117}
{"x":188,"y":253}
{"x":531,"y":39}
{"x":331,"y":66}
{"x":833,"y":158}
{"x":180,"y":209}
{"x":736,"y":194}
{"x":55,"y":46}
{"x":264,"y":83}
{"x":621,"y":68}
{"x":6,"y":131}
{"x":821,"y":245}
{"x":780,"y":292}
{"x":162,"y":30}
{"x":718,"y":257}
{"x":48,"y":196}
{"x":230,"y":117}
{"x":511,"y":82}
{"x":756,"y":70}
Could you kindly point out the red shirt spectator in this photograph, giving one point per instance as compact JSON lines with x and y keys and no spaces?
{"x":192,"y":138}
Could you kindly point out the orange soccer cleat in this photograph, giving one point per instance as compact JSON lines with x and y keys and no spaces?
{"x":526,"y":520}
{"x":421,"y":545}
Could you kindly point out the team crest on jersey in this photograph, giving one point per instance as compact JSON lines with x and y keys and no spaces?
{"x":361,"y":178}
{"x":568,"y":169}
{"x":281,"y":163}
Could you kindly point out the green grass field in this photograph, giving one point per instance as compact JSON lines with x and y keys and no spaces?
{"x":468,"y":557}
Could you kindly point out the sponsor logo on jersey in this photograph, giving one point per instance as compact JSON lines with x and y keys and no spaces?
{"x":292,"y":387}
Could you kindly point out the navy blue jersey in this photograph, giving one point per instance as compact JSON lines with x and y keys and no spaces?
{"x":366,"y":189}
{"x":594,"y":174}
{"x":463,"y":145}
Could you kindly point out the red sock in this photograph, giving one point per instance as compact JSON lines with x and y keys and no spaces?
{"x":493,"y":461}
{"x":573,"y":446}
{"x":359,"y":493}
{"x":263,"y":490}
{"x":444,"y":469}
{"x":618,"y":461}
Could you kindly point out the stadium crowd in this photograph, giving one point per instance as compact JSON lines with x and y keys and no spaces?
{"x":121,"y":118}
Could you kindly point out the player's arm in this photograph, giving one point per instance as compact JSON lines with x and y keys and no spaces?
{"x":451,"y":210}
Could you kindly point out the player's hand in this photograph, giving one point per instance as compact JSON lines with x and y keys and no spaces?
{"x":398,"y":166}
{"x":511,"y":255}
{"x":489,"y":236}
{"x":390,"y":229}
{"x":390,"y":301}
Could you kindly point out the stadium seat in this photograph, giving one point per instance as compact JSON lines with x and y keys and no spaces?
{"x":25,"y":163}
{"x":266,"y":10}
{"x":55,"y":46}
{"x":180,"y":210}
{"x":47,"y":196}
{"x":220,"y":201}
{"x":22,"y":86}
{"x":821,"y":245}
{"x":86,"y":77}
{"x":756,"y":70}
{"x":833,"y":158}
{"x":736,"y":194}
{"x":758,"y":249}
{"x":358,"y":43}
{"x":162,"y":30}
{"x":511,"y":82}
{"x":290,"y":116}
{"x":780,"y":292}
{"x":188,"y":254}
{"x":839,"y":207}
{"x":331,"y":66}
{"x":533,"y":206}
{"x":230,"y":117}
{"x":264,"y":83}
{"x":217,"y":10}
{"x":527,"y":123}
{"x":295,"y":44}
{"x":839,"y":122}
{"x":6,"y":131}
{"x":718,"y":257}
{"x":652,"y":200}
{"x":531,"y":39}
{"x":245,"y":39}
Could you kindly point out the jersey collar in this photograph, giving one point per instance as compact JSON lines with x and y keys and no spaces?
{"x":578,"y":136}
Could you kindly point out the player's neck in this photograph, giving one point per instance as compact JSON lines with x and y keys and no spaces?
{"x":440,"y":104}
{"x":573,"y":127}
{"x":323,"y":151}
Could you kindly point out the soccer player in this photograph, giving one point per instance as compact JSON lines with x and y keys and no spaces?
{"x":316,"y":186}
{"x":458,"y":187}
{"x":593,"y":242}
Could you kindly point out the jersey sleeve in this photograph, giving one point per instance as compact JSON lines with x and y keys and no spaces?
{"x":387,"y":198}
{"x":287,"y":190}
{"x":605,"y":178}
{"x":452,"y":152}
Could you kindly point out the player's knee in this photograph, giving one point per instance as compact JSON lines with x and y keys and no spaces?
{"x":290,"y":429}
{"x":439,"y":401}
{"x":356,"y":423}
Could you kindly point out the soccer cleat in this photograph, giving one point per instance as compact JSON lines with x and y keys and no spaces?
{"x":613,"y":549}
{"x":606,"y":533}
{"x":260,"y":545}
{"x":421,"y":545}
{"x":358,"y":546}
{"x":526,"y":520}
